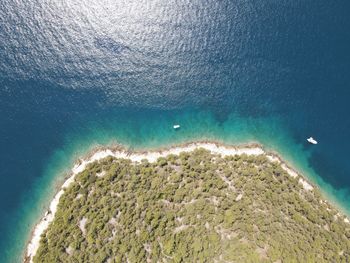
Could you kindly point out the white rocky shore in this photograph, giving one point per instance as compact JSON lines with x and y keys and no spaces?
{"x":151,"y":156}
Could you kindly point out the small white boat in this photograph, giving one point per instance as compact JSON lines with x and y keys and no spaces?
{"x":311,"y":140}
{"x":176,"y":126}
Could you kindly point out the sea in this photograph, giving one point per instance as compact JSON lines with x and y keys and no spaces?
{"x":75,"y":74}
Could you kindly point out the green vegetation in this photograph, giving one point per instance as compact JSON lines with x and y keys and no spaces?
{"x":196,"y":207}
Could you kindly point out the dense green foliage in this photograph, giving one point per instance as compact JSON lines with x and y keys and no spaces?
{"x":196,"y":207}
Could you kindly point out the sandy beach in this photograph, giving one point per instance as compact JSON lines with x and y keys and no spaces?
{"x":151,"y":156}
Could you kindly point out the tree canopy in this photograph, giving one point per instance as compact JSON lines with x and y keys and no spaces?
{"x":195,"y":207}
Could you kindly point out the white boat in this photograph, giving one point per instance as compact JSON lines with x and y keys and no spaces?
{"x":176,"y":126}
{"x":311,"y":140}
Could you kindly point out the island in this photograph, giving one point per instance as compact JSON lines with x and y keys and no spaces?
{"x":199,"y":202}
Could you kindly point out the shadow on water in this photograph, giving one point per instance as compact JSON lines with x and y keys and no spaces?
{"x":109,"y":44}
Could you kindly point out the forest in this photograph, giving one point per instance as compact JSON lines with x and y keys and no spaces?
{"x":193,"y":207}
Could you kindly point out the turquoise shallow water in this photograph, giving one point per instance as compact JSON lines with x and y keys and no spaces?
{"x":75,"y":74}
{"x":158,"y":132}
{"x":151,"y":133}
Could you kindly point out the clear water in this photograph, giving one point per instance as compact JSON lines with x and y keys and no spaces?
{"x":75,"y":74}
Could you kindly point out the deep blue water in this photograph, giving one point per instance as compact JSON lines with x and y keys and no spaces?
{"x":74,"y":74}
